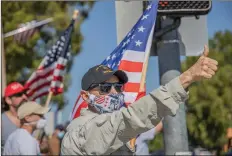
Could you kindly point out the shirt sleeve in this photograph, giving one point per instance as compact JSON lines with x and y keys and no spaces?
{"x":106,"y":133}
{"x":149,"y":135}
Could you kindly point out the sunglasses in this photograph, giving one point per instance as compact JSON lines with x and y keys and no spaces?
{"x":105,"y":88}
{"x":19,"y":94}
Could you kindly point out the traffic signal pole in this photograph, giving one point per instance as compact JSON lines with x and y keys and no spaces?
{"x":168,"y":50}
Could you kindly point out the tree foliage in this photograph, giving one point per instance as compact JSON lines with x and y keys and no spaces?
{"x":209,"y":107}
{"x":23,"y":59}
{"x":210,"y":102}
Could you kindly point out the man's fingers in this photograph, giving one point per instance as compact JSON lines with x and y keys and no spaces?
{"x":206,"y":51}
{"x":213,"y":61}
{"x":206,"y":75}
{"x":211,"y":72}
{"x":213,"y":67}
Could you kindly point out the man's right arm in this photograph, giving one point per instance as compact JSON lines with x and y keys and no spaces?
{"x":106,"y":133}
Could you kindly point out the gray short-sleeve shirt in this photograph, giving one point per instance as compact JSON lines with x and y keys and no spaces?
{"x":7,"y":128}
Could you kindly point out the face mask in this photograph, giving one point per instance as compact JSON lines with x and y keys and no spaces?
{"x":107,"y":103}
{"x":60,"y":135}
{"x":41,"y":124}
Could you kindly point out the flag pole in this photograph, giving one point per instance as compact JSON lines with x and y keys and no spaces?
{"x":144,"y":73}
{"x":49,"y":98}
{"x":142,"y":85}
{"x":74,"y":17}
{"x":146,"y":60}
{"x":143,"y":77}
{"x":145,"y":65}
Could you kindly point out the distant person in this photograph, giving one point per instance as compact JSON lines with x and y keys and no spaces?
{"x":66,"y":125}
{"x":229,"y":153}
{"x":44,"y":147}
{"x":55,"y":140}
{"x":21,"y":141}
{"x":142,"y":140}
{"x":14,"y":96}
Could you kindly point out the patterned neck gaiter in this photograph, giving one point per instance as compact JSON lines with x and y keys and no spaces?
{"x":106,"y":103}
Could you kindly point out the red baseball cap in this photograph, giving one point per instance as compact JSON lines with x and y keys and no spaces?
{"x":13,"y":88}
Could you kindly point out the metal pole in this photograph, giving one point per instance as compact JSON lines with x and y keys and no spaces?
{"x":28,"y":27}
{"x":3,"y":64}
{"x":175,"y":131}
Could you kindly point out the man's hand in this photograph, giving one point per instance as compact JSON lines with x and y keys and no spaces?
{"x":204,"y":68}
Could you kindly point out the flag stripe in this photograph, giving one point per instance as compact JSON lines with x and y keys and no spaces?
{"x":60,"y":66}
{"x":56,"y":89}
{"x":38,"y":88}
{"x":56,"y":84}
{"x":39,"y":92}
{"x":27,"y":34}
{"x":24,"y":36}
{"x":41,"y":81}
{"x":134,"y":77}
{"x":38,"y":75}
{"x":82,"y":105}
{"x":131,"y":87}
{"x":58,"y":78}
{"x":77,"y":104}
{"x":58,"y":72}
{"x":133,"y":56}
{"x":131,"y":66}
{"x":130,"y":96}
{"x":40,"y":95}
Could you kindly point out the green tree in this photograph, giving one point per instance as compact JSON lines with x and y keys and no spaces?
{"x":210,"y":102}
{"x":209,"y":107}
{"x":23,"y":59}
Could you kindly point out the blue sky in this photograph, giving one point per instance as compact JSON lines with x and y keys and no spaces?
{"x":99,"y":32}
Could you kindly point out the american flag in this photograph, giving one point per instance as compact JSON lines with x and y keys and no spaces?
{"x":129,"y":56}
{"x":23,"y":35}
{"x":49,"y":75}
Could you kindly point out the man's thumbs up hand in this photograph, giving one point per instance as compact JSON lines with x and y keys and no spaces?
{"x":204,"y":68}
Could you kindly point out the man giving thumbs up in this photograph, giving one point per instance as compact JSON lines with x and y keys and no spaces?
{"x":105,"y":127}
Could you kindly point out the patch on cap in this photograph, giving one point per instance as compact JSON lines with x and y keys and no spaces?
{"x":104,"y":69}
